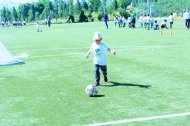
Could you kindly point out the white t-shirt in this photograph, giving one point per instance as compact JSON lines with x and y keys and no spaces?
{"x":99,"y":51}
{"x":185,"y":15}
{"x":129,"y":19}
{"x":37,"y":26}
{"x":141,"y":19}
{"x":171,"y":18}
{"x":147,"y":19}
{"x":188,"y":15}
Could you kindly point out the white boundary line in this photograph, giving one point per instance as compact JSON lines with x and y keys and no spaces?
{"x":122,"y":48}
{"x":68,"y":54}
{"x":114,"y":47}
{"x":142,"y":119}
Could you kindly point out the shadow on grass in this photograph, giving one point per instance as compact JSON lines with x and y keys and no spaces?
{"x":97,"y":96}
{"x":113,"y":84}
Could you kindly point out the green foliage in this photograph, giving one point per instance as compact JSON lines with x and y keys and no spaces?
{"x":71,"y":7}
{"x":110,"y":8}
{"x":32,"y":13}
{"x":78,"y":8}
{"x":56,"y":5}
{"x":39,"y":7}
{"x":102,"y":9}
{"x":124,"y":3}
{"x":8,"y":15}
{"x":23,"y":11}
{"x":89,"y":15}
{"x":71,"y":19}
{"x":124,"y":13}
{"x":84,"y":5}
{"x":82,"y":17}
{"x":60,"y":9}
{"x":100,"y":16}
{"x":3,"y":14}
{"x":115,"y":4}
{"x":63,"y":8}
{"x":94,"y":5}
{"x":15,"y":15}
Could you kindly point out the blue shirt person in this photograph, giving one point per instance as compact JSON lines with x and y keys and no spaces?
{"x":106,"y":20}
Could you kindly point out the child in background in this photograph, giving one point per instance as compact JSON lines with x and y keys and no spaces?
{"x":163,"y":24}
{"x":129,"y":21}
{"x":171,"y":19}
{"x":141,"y":20}
{"x":99,"y":50}
{"x":38,"y":27}
{"x":155,"y":26}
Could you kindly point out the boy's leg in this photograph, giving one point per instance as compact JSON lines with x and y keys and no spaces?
{"x":97,"y":73}
{"x":104,"y":71}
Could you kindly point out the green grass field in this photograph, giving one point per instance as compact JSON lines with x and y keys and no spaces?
{"x":149,"y":76}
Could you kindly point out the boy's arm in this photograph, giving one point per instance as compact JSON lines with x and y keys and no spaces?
{"x":87,"y":54}
{"x":112,"y":52}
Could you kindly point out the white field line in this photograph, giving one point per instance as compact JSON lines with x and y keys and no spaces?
{"x":114,"y":47}
{"x":122,"y":48}
{"x":142,"y":119}
{"x":54,"y":55}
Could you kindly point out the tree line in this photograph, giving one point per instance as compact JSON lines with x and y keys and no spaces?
{"x":83,"y":10}
{"x":61,"y":9}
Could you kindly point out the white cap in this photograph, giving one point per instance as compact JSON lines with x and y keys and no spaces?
{"x":97,"y":36}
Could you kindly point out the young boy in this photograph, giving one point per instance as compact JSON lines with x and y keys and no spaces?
{"x":155,"y":26}
{"x":163,"y":24}
{"x":99,"y":51}
{"x":171,"y":19}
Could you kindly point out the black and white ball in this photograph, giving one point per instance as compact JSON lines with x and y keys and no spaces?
{"x":91,"y":90}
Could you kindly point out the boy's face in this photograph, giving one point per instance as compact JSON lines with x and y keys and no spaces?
{"x":97,"y":41}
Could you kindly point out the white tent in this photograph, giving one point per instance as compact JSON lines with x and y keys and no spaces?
{"x":6,"y":58}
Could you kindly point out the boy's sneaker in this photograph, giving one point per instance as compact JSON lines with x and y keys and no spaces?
{"x":97,"y":84}
{"x":105,"y":79}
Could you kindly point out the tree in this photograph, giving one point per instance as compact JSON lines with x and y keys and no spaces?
{"x":60,"y":9}
{"x":23,"y":10}
{"x":82,"y":17}
{"x":44,"y":2}
{"x":15,"y":15}
{"x":84,"y":5}
{"x":115,"y":4}
{"x":56,"y":2}
{"x":71,"y":7}
{"x":104,"y":2}
{"x":39,"y":7}
{"x":65,"y":9}
{"x":50,"y":10}
{"x":3,"y":14}
{"x":8,"y":15}
{"x":110,"y":8}
{"x":124,"y":3}
{"x":102,"y":9}
{"x":95,"y":4}
{"x":78,"y":8}
{"x":32,"y":13}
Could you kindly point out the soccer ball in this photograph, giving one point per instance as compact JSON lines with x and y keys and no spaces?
{"x":91,"y":90}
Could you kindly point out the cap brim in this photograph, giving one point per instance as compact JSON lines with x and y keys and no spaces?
{"x":98,"y":39}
